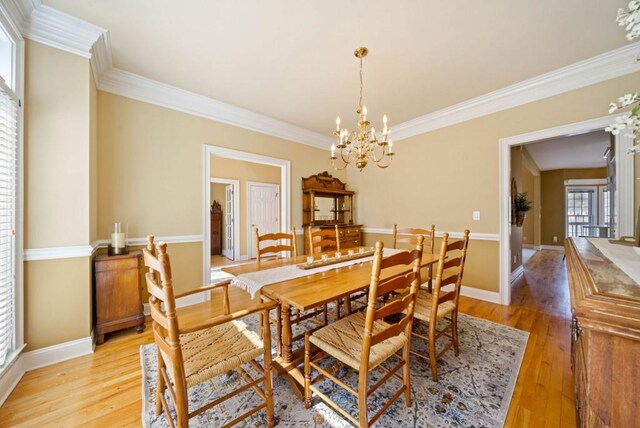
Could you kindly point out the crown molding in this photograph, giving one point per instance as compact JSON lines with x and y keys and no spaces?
{"x":54,"y":28}
{"x":609,"y":65}
{"x":140,"y":88}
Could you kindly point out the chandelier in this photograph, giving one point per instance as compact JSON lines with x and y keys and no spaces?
{"x":362,"y":145}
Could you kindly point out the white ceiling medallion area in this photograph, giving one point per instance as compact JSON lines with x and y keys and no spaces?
{"x":54,"y":28}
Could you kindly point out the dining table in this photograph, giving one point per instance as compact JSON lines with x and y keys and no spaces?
{"x":311,"y":291}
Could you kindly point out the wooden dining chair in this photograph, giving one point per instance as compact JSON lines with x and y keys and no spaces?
{"x":364,"y":340}
{"x":189,"y":356}
{"x":321,"y":240}
{"x":406,"y":238}
{"x":271,"y":244}
{"x":441,"y":305}
{"x":274,"y":244}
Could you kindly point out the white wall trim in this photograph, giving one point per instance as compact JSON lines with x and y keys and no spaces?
{"x":476,"y":293}
{"x":58,"y":29}
{"x":42,"y":357}
{"x":517,"y":272}
{"x":609,"y":65}
{"x":529,"y":246}
{"x":529,"y":163}
{"x":551,"y":247}
{"x":585,"y":182}
{"x":57,"y":353}
{"x":10,"y":377}
{"x":151,"y":91}
{"x":67,"y":252}
{"x":52,"y":253}
{"x":625,"y":178}
{"x":457,"y":235}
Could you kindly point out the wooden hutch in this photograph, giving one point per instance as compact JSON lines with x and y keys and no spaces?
{"x":327,"y":202}
{"x":605,"y":345}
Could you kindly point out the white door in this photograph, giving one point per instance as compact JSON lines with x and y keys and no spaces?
{"x":264,"y":210}
{"x":229,"y":219}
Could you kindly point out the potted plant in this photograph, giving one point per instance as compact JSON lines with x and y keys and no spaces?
{"x":522,"y":205}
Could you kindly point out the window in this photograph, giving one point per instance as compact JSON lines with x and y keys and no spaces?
{"x":11,"y":340}
{"x":580,"y":211}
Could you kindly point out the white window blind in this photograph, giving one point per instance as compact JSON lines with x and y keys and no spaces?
{"x":8,"y":205}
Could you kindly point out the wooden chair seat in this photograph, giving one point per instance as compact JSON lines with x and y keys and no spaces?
{"x":343,"y":340}
{"x":424,"y":303}
{"x":235,"y":346}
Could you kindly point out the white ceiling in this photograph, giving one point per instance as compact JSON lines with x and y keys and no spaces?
{"x":293,"y":59}
{"x":577,"y":151}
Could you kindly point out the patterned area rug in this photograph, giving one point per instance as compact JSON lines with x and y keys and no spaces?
{"x":474,"y":389}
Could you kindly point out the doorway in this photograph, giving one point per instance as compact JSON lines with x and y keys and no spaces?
{"x":209,"y":167}
{"x":225,"y":191}
{"x":623,"y":201}
{"x":264,"y":211}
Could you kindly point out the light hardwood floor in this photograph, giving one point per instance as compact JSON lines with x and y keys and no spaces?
{"x":104,"y":389}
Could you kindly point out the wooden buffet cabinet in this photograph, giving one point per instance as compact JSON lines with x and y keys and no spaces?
{"x":605,"y":343}
{"x":327,"y":202}
{"x":118,"y":293}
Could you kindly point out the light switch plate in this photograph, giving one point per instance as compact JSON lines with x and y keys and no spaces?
{"x":476,"y":215}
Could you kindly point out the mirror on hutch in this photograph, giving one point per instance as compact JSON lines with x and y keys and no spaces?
{"x":327,"y":202}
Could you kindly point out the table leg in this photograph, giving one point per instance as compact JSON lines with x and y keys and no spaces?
{"x":286,"y":333}
{"x":346,"y":306}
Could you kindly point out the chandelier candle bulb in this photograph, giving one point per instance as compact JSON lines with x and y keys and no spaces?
{"x":338,"y":124}
{"x":390,"y":147}
{"x":333,"y":151}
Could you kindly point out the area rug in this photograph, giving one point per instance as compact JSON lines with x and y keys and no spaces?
{"x":474,"y":389}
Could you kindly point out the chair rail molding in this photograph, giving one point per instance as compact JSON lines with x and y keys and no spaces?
{"x":457,"y":235}
{"x":72,"y":251}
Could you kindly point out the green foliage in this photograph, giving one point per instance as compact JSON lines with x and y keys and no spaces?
{"x":521,"y":202}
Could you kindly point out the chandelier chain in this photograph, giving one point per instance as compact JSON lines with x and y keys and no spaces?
{"x":360,"y":100}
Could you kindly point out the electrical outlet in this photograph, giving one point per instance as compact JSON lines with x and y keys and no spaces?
{"x":476,"y":215}
{"x":555,"y":239}
{"x":524,"y":238}
{"x":515,"y":259}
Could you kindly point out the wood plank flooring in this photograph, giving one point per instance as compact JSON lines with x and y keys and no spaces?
{"x":104,"y":389}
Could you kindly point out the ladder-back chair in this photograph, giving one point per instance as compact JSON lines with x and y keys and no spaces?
{"x":321,"y":240}
{"x":406,"y":238}
{"x":274,"y":244}
{"x":364,"y":340}
{"x":190,"y":356}
{"x":442,"y":305}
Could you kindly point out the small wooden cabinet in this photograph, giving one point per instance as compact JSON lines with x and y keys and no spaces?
{"x":605,"y":342}
{"x":118,"y":293}
{"x":216,"y":228}
{"x":327,"y":202}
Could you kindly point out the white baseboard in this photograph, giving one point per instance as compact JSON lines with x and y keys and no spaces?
{"x":10,"y":378}
{"x":41,"y":358}
{"x":516,"y":273}
{"x":184,"y":301}
{"x":529,"y":246}
{"x":537,"y":247}
{"x":552,"y":247}
{"x":54,"y":354}
{"x":476,"y":293}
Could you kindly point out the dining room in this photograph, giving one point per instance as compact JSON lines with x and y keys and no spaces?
{"x":259,"y":214}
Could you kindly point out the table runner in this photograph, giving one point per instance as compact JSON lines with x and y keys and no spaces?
{"x":254,"y":281}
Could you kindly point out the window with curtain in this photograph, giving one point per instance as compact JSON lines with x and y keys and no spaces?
{"x":8,"y":207}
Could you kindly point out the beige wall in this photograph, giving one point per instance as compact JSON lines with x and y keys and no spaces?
{"x":245,"y":172}
{"x":151,"y":157}
{"x":441,"y":177}
{"x":553,"y":200}
{"x":57,"y":135}
{"x":60,"y":205}
{"x":528,"y":228}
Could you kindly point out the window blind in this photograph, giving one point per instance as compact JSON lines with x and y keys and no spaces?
{"x":8,"y":204}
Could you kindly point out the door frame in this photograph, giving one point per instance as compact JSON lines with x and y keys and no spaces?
{"x":207,"y":168}
{"x":624,"y":183}
{"x":249,"y":225}
{"x":236,"y":212}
